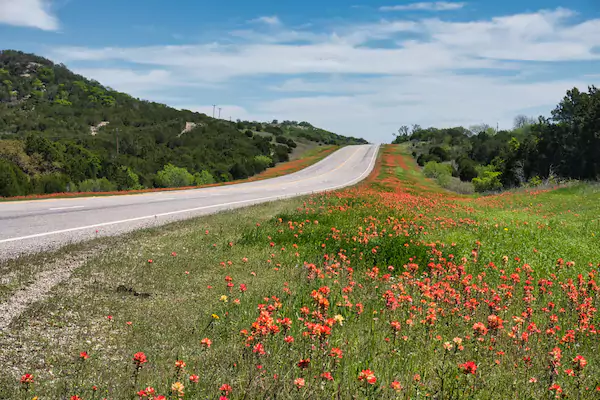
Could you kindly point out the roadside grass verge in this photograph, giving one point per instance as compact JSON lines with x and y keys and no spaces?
{"x":394,"y":288}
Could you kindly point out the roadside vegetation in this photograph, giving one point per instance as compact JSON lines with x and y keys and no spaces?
{"x":61,"y":132}
{"x":392,"y":289}
{"x":536,"y":151}
{"x":188,"y":181}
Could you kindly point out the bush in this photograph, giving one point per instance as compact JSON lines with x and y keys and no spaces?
{"x":172,"y":176}
{"x":126,"y":179}
{"x":458,"y":186}
{"x":281,"y":153}
{"x":488,"y":179}
{"x":13,"y":181}
{"x":439,"y":152}
{"x":97,"y":185}
{"x":203,"y":178}
{"x":262,"y":163}
{"x":425,"y":158}
{"x":535,"y":181}
{"x":51,"y":183}
{"x":440,"y":172}
{"x":467,"y":169}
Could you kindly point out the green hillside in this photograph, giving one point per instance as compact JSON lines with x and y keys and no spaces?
{"x":62,"y":132}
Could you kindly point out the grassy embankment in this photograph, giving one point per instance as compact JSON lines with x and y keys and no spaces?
{"x":394,"y":288}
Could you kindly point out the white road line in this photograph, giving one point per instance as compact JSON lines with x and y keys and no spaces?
{"x":260,"y":199}
{"x":65,"y":208}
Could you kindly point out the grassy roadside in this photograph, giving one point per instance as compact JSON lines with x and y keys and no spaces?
{"x":394,"y":288}
{"x":307,"y":159}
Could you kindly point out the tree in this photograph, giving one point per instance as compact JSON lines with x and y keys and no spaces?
{"x":13,"y":181}
{"x":521,"y":121}
{"x":172,"y":176}
{"x":203,"y":178}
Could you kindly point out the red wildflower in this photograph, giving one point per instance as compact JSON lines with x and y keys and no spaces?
{"x":579,"y":362}
{"x":194,"y":378}
{"x":259,"y":348}
{"x":336,"y":352}
{"x":327,"y":376}
{"x":289,"y":339}
{"x":179,"y":364}
{"x":206,"y":342}
{"x":396,"y":385}
{"x":304,"y":363}
{"x":468,"y":368}
{"x":225,"y":388}
{"x":299,"y":382}
{"x":139,"y":359}
{"x":368,"y":376}
{"x":84,"y":355}
{"x":27,"y":379}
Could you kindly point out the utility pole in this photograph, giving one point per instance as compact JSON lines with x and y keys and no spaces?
{"x":214,"y":105}
{"x":220,"y":112}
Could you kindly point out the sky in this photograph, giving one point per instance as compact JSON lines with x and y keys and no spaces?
{"x":360,"y":68}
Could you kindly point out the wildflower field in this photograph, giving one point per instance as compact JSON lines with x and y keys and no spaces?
{"x":392,"y":289}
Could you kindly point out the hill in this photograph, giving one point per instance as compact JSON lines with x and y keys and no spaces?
{"x":62,"y":132}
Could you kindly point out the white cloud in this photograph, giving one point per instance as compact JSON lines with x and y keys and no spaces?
{"x":268,"y":20}
{"x":28,"y":13}
{"x":431,"y":71}
{"x":378,"y":106}
{"x":426,"y":6}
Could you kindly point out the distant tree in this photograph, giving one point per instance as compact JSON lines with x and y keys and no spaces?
{"x":172,"y":176}
{"x":203,"y":178}
{"x":521,"y":121}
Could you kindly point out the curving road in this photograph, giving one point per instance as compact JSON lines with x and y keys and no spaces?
{"x":39,"y":225}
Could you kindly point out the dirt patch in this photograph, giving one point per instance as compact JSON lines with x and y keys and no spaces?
{"x":42,"y":284}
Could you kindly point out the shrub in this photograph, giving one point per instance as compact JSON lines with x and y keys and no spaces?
{"x":458,"y":186}
{"x":203,"y":178}
{"x":535,"y":181}
{"x":126,"y":179}
{"x":172,"y":176}
{"x":467,"y":169}
{"x":13,"y":181}
{"x":440,"y":172}
{"x":51,"y":183}
{"x":281,"y":153}
{"x":262,"y":163}
{"x":488,"y":179}
{"x":439,"y":152}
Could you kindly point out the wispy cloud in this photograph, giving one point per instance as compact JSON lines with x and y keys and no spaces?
{"x":28,"y":13}
{"x":272,"y":20}
{"x":430,"y":70}
{"x":426,"y":6}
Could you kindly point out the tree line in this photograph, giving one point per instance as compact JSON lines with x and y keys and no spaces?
{"x":563,"y":146}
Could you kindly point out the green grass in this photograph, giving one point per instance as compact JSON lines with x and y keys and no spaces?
{"x":445,"y":251}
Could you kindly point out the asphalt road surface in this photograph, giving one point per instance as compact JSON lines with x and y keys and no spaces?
{"x":39,"y":225}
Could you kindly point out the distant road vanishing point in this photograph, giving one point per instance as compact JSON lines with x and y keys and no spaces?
{"x":39,"y":225}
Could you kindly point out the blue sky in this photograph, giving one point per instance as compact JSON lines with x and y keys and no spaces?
{"x":357,"y":68}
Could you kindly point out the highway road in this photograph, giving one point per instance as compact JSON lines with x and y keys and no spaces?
{"x":40,"y":225}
